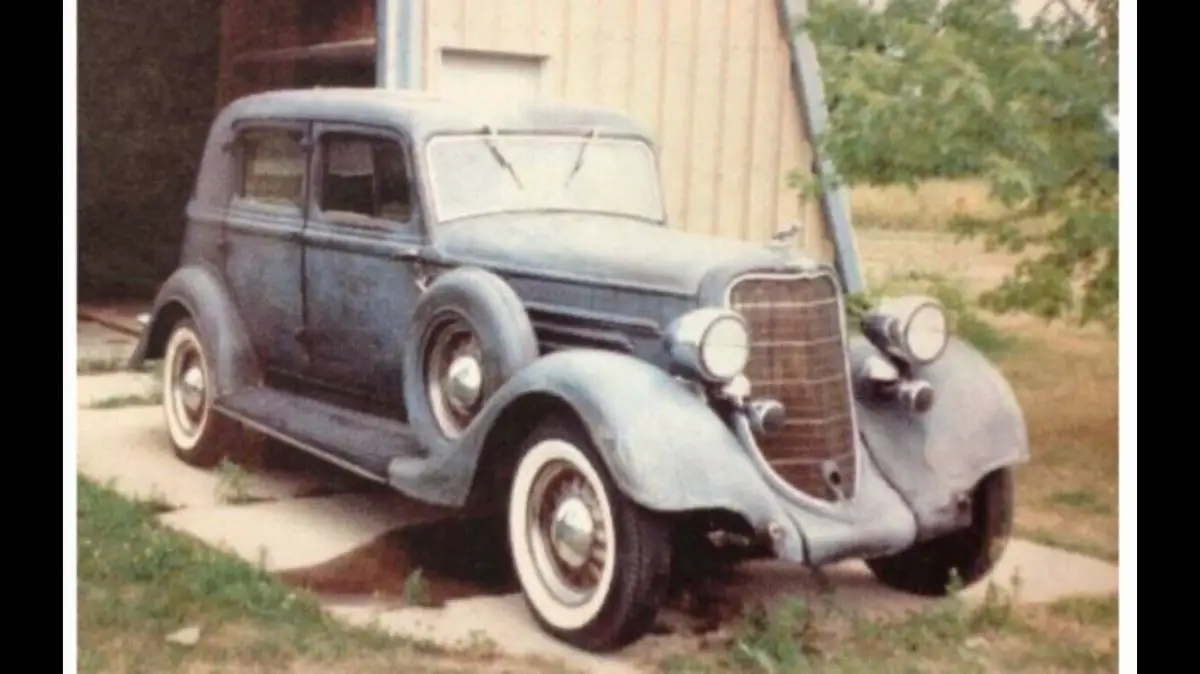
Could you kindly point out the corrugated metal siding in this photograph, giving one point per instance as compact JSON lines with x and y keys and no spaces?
{"x":710,"y":77}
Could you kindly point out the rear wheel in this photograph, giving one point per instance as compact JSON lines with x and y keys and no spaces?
{"x":200,"y":436}
{"x":593,"y":565}
{"x":927,"y":567}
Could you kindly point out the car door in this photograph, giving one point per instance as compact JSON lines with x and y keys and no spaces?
{"x":361,"y":241}
{"x":262,"y":245}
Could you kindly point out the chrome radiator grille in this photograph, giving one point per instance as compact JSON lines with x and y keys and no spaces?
{"x":798,"y":356}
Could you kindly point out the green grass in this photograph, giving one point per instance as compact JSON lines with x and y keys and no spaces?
{"x":139,"y":581}
{"x":952,"y":637}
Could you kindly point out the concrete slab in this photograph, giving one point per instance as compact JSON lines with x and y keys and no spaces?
{"x":130,"y":448}
{"x":1033,"y":573}
{"x":503,"y":620}
{"x":95,"y":389}
{"x":300,"y":533}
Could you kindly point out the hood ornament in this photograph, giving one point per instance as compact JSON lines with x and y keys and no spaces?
{"x":786,"y":235}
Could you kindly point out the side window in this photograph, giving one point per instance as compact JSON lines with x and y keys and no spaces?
{"x":273,"y":167}
{"x":364,"y":180}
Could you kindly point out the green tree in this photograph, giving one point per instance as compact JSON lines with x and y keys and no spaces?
{"x":920,"y":89}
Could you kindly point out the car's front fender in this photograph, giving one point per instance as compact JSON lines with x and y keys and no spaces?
{"x":196,"y":291}
{"x":974,"y":427}
{"x":664,"y":447}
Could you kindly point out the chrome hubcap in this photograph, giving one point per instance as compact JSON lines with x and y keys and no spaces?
{"x":463,"y":383}
{"x":454,"y":379}
{"x":187,"y":394}
{"x":191,"y":390}
{"x":567,"y":533}
{"x":572,"y":532}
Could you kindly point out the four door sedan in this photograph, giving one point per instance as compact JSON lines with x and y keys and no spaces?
{"x":487,"y":309}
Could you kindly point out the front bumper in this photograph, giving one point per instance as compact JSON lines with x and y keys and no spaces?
{"x":876,"y":521}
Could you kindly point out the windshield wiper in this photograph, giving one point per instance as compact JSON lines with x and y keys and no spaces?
{"x":490,"y":141}
{"x":579,"y":157}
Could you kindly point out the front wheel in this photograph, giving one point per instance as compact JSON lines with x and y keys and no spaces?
{"x":926,"y":568}
{"x":593,"y":565}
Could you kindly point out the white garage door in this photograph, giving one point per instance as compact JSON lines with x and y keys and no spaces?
{"x":489,"y":75}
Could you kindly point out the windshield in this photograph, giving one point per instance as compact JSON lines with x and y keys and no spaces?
{"x":487,"y":173}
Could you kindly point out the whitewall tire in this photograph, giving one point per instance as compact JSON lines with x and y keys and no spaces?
{"x":593,"y":565}
{"x":198,"y":434}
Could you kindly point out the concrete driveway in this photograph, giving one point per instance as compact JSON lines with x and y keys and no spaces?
{"x":345,"y":538}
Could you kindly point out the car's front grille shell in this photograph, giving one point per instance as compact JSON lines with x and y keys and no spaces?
{"x":798,"y":356}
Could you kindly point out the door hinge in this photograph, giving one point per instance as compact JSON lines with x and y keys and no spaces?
{"x":423,"y":276}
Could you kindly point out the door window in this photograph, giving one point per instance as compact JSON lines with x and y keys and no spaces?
{"x":365,"y":180}
{"x":273,"y":163}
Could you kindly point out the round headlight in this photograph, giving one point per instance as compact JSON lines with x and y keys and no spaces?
{"x":913,"y":328}
{"x":710,"y":343}
{"x":725,"y":348}
{"x":926,"y":333}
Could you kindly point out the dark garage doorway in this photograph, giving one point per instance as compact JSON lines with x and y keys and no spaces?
{"x":147,"y":71}
{"x":149,"y":82}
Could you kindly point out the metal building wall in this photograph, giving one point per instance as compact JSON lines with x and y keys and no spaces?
{"x":710,"y":77}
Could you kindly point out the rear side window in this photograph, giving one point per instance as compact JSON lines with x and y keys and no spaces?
{"x":273,"y":162}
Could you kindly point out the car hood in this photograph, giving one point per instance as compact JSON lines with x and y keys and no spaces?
{"x":606,"y":250}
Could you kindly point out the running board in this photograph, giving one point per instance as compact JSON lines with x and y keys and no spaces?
{"x":363,"y":444}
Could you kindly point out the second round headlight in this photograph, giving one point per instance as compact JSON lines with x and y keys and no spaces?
{"x":926,"y":333}
{"x":725,"y":348}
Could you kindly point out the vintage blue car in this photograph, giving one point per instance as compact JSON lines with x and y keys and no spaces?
{"x":486,"y":309}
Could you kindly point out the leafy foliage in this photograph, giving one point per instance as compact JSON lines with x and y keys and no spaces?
{"x":922,"y":89}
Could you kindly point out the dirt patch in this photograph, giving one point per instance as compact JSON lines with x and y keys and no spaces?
{"x":440,"y":562}
{"x":429,"y":565}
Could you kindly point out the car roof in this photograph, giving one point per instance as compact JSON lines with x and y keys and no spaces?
{"x":424,"y":115}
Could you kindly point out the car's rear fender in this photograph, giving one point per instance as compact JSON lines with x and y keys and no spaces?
{"x":664,"y":447}
{"x":974,"y":427}
{"x":195,"y":291}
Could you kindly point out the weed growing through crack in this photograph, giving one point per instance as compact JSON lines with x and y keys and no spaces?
{"x":233,"y":484}
{"x":416,"y":590}
{"x":794,"y":635}
{"x":775,"y":638}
